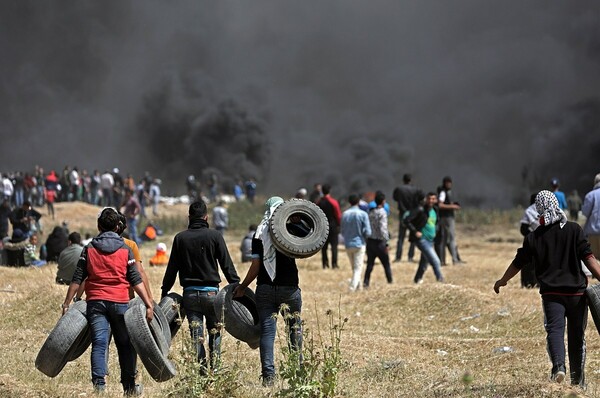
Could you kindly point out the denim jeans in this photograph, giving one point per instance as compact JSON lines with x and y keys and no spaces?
{"x":428,"y":256}
{"x":199,"y":305}
{"x":268,"y":301}
{"x":104,"y":317}
{"x":401,"y":236}
{"x":132,"y":226}
{"x":377,"y":248}
{"x":356,"y":255}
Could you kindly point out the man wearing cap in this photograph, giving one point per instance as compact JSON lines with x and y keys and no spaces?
{"x":560,"y":195}
{"x":276,"y":284}
{"x":591,"y":210}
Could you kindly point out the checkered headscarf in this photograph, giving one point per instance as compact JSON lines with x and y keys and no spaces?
{"x":550,"y":212}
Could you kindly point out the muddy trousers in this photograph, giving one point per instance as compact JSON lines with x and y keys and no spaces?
{"x":557,"y":308}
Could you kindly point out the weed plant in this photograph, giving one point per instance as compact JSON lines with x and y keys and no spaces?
{"x":311,"y":371}
{"x":212,"y":378}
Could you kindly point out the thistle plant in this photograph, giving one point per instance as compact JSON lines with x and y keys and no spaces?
{"x":311,"y":370}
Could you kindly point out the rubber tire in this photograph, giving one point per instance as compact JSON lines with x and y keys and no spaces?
{"x":149,"y":341}
{"x":593,"y":297}
{"x":239,"y":315}
{"x":159,"y":323}
{"x":172,"y":306}
{"x":64,"y":341}
{"x":86,"y":339}
{"x":294,"y":246}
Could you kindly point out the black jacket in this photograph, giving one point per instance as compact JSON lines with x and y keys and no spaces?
{"x":415,"y":220}
{"x":556,"y":254}
{"x":196,"y":256}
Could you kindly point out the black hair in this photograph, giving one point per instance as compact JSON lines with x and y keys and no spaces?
{"x":108,"y":220}
{"x":326,"y":188}
{"x":353,"y":199}
{"x":122,"y":225}
{"x":379,"y":197}
{"x":252,"y":227}
{"x":198,"y":209}
{"x":74,"y":237}
{"x":406,"y":178}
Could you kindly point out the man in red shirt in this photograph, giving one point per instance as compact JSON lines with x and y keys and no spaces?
{"x":108,"y":267}
{"x":331,"y":208}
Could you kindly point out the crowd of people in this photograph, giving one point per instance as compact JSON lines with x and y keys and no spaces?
{"x":553,"y":249}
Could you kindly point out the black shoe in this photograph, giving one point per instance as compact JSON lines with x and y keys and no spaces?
{"x":558,"y":373}
{"x":268,"y":381}
{"x":578,"y":380}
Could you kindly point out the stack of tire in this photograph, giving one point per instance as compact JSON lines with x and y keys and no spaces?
{"x":71,"y":337}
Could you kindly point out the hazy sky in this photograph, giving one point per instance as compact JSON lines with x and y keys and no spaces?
{"x":502,"y":96}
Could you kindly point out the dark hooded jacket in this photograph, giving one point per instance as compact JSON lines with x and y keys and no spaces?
{"x":196,"y":255}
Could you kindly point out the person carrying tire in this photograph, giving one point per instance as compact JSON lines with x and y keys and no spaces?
{"x":108,"y":267}
{"x":556,"y":248}
{"x":196,"y":255}
{"x":277,"y":285}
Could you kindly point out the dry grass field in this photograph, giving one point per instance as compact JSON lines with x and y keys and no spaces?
{"x":401,"y":340}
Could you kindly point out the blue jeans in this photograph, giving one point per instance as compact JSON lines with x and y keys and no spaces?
{"x":428,"y":256}
{"x":268,"y":300}
{"x":132,"y":226}
{"x":104,"y":317}
{"x":199,"y":305}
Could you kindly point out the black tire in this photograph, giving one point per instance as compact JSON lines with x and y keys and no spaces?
{"x":299,"y":246}
{"x":86,"y":339}
{"x":593,"y":297}
{"x":64,"y":341}
{"x":149,"y":342}
{"x":172,"y":307}
{"x":239,"y":315}
{"x":159,"y":323}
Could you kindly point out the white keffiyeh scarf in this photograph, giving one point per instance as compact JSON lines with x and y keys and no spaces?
{"x":262,"y":233}
{"x":549,"y":210}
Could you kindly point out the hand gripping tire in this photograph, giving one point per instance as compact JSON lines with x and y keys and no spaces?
{"x":66,"y":342}
{"x":149,"y":340}
{"x":174,"y":312}
{"x":593,"y":298}
{"x":296,"y":246}
{"x":239,"y":315}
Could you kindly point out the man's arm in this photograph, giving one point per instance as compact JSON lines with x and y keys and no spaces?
{"x":140,"y":289}
{"x":510,"y":272}
{"x":250,"y":276}
{"x":172,"y":269}
{"x":592,"y":264}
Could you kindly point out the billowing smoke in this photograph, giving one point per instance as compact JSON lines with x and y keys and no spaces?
{"x":195,"y":130}
{"x":501,"y":96}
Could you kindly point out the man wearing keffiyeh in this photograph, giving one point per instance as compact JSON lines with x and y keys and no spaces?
{"x":556,"y":248}
{"x":276,"y":285}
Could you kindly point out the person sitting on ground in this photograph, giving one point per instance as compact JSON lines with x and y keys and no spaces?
{"x":246,"y":246}
{"x":68,"y":258}
{"x":57,"y":241}
{"x":15,"y":247}
{"x":161,"y":257}
{"x":30,"y":255}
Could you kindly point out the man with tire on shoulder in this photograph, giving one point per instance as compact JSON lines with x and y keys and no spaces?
{"x":277,"y":285}
{"x":196,"y":255}
{"x":108,"y":267}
